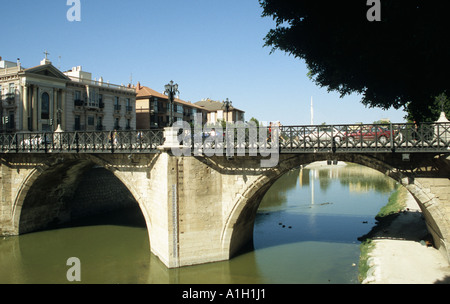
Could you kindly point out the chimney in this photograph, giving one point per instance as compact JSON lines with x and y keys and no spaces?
{"x":138,"y":86}
{"x":0,"y":58}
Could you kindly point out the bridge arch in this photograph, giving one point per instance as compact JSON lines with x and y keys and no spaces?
{"x":238,"y":227}
{"x":41,"y":200}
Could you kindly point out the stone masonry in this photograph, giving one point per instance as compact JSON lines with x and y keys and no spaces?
{"x":197,"y":209}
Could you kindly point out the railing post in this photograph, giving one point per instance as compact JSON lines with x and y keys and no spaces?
{"x":131,"y":140}
{"x":45,"y":142}
{"x":17,"y":142}
{"x":113,"y":139}
{"x":77,"y":143}
{"x":392,"y":137}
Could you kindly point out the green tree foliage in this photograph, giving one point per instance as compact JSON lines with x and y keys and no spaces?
{"x":255,"y":121}
{"x":431,"y":112}
{"x":400,"y":61}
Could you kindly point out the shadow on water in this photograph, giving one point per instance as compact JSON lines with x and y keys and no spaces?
{"x":127,"y":217}
{"x":280,"y":228}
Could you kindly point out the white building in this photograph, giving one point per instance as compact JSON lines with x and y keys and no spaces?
{"x":42,"y":97}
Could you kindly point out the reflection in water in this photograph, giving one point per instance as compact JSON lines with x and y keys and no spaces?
{"x":306,"y":231}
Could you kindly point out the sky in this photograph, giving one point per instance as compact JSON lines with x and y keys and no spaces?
{"x":211,"y":48}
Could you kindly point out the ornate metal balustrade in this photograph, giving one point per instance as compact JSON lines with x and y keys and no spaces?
{"x":432,"y":137}
{"x":83,"y":142}
{"x":401,"y":138}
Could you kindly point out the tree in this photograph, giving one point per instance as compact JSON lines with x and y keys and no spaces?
{"x":397,"y":62}
{"x":440,"y":104}
{"x":255,"y":121}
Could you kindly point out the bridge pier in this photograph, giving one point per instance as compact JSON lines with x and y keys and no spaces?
{"x":200,"y":197}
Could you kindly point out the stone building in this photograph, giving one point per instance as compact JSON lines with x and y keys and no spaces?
{"x":217,"y":111}
{"x":153,"y":110}
{"x":42,"y":98}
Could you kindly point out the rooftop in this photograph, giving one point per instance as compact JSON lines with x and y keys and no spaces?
{"x":213,"y":106}
{"x":145,"y":92}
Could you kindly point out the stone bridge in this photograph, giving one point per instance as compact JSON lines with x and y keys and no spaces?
{"x":199,"y":208}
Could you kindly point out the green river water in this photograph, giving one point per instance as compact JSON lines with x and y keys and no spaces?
{"x":306,"y":231}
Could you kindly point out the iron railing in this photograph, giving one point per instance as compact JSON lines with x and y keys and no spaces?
{"x":428,"y":137}
{"x":83,"y":142}
{"x":401,"y":138}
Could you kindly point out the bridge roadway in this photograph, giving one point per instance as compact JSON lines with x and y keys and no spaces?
{"x":202,"y":208}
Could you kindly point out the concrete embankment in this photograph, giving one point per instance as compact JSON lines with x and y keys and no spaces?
{"x":402,"y":254}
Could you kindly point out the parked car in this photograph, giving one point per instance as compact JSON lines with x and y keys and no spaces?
{"x":322,"y":135}
{"x":369,"y":133}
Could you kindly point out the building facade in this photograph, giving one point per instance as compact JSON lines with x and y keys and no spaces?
{"x":153,"y":109}
{"x":218,"y":112}
{"x":41,"y":98}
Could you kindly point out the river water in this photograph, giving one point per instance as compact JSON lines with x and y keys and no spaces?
{"x":306,"y":231}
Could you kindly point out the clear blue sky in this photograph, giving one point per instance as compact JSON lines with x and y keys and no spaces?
{"x":211,"y":48}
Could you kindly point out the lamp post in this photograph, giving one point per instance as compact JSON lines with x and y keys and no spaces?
{"x":171,"y":89}
{"x":227,"y":104}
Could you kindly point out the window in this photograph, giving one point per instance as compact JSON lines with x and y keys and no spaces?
{"x":12,"y":88}
{"x":129,"y":107}
{"x":0,"y":91}
{"x":117,"y":106}
{"x":77,"y":122}
{"x":93,"y":98}
{"x":11,"y":123}
{"x":77,"y":95}
{"x":90,"y":120}
{"x":100,"y":124}
{"x":45,"y":106}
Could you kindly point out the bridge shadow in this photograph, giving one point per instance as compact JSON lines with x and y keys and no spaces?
{"x":406,"y":225}
{"x":98,"y":199}
{"x":445,"y":280}
{"x":279,"y":228}
{"x":126,"y":217}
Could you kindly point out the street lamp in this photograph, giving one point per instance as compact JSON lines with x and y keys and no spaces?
{"x":227,"y":104}
{"x":171,"y":89}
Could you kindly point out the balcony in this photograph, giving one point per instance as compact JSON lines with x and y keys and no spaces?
{"x":9,"y":102}
{"x":117,"y":107}
{"x":129,"y":109}
{"x":78,"y":102}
